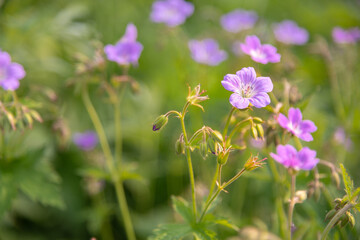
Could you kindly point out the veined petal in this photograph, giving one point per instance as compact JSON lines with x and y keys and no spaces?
{"x":263,"y":84}
{"x":295,"y":116}
{"x":260,"y":100}
{"x":231,"y":82}
{"x":239,"y":102}
{"x":308,"y":126}
{"x":247,"y":75}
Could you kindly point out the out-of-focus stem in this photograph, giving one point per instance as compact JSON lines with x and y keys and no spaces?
{"x":298,"y":143}
{"x":228,"y":122}
{"x":188,"y":158}
{"x":291,"y":204}
{"x":110,"y":164}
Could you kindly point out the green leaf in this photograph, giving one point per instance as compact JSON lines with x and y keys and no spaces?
{"x":349,"y":185}
{"x":226,"y":223}
{"x":355,"y":193}
{"x":171,"y":232}
{"x":125,"y":175}
{"x":8,"y":192}
{"x":202,"y":232}
{"x":181,"y":206}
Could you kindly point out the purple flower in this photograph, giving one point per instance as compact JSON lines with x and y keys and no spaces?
{"x":294,"y":124}
{"x":10,"y":72}
{"x":289,"y":32}
{"x":259,"y":53}
{"x":207,"y":52}
{"x":290,"y":158}
{"x":341,"y":35}
{"x":171,"y":12}
{"x":86,"y":140}
{"x":248,"y":88}
{"x":127,"y":50}
{"x":238,"y":20}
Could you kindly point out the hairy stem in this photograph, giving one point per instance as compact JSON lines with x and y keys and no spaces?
{"x":334,"y":220}
{"x":291,"y":204}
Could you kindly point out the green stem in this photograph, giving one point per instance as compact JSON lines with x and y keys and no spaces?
{"x":213,"y":183}
{"x":238,"y":126}
{"x":291,"y":204}
{"x":228,"y":122}
{"x":110,"y":164}
{"x":336,"y":218}
{"x":297,"y":143}
{"x":188,"y":158}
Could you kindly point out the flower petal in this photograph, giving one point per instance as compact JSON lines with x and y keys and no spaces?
{"x":282,"y":120}
{"x":263,"y":84}
{"x":295,"y":116}
{"x":307,"y":158}
{"x":260,"y":100}
{"x":253,"y":42}
{"x":16,"y":71}
{"x":308,"y":126}
{"x":231,"y":82}
{"x":239,"y":102}
{"x":247,"y":75}
{"x":130,"y":33}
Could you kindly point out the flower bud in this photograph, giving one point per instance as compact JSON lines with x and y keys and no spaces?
{"x":160,"y":122}
{"x":180,"y":145}
{"x":257,"y":120}
{"x":253,"y":163}
{"x":300,"y":196}
{"x":351,"y":219}
{"x":223,"y":156}
{"x":260,"y":130}
{"x":336,"y":178}
{"x":203,"y":147}
{"x":217,"y":136}
{"x":344,"y":219}
{"x":254,"y":132}
{"x":211,"y":145}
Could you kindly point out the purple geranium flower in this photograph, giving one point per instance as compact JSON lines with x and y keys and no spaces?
{"x":238,"y":20}
{"x":290,"y":158}
{"x":86,"y":140}
{"x":289,"y":32}
{"x":10,"y":72}
{"x":127,"y":50}
{"x":341,"y":35}
{"x":248,"y":88}
{"x":260,"y":53}
{"x":294,"y":124}
{"x":171,"y":12}
{"x":207,"y":52}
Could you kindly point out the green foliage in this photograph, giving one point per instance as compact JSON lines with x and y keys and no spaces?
{"x":201,"y":231}
{"x":32,"y":175}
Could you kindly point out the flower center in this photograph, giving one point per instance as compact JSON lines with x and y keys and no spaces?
{"x":257,"y":53}
{"x":295,"y":128}
{"x":246,"y":91}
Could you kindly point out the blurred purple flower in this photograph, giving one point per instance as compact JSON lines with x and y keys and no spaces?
{"x":294,"y":124}
{"x":341,"y":35}
{"x":260,"y":53}
{"x":86,"y":140}
{"x":290,"y":158}
{"x":171,"y":12}
{"x":10,"y":72}
{"x":248,"y":88}
{"x":238,"y":20}
{"x":127,"y":50}
{"x":340,"y":137}
{"x":289,"y":32}
{"x":207,"y":52}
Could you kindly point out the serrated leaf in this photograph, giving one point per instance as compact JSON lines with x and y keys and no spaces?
{"x":201,"y":232}
{"x":171,"y":232}
{"x":349,"y":185}
{"x":181,"y":206}
{"x":8,"y":192}
{"x":355,"y":193}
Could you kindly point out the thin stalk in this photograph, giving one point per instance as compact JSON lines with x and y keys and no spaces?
{"x":228,"y":122}
{"x":334,"y":220}
{"x":213,"y":183}
{"x":298,"y":143}
{"x":188,"y":158}
{"x":291,"y":204}
{"x":110,"y":164}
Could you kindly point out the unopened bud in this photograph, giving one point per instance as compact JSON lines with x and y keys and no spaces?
{"x":135,"y":87}
{"x":344,"y":220}
{"x":160,"y":122}
{"x":260,"y":130}
{"x":211,"y":145}
{"x":257,"y":120}
{"x":300,"y":196}
{"x":336,"y":178}
{"x":217,"y":136}
{"x":180,"y":145}
{"x":253,"y":163}
{"x":351,"y":219}
{"x":254,"y":132}
{"x":203,"y":147}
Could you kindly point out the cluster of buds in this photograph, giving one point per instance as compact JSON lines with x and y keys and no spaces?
{"x":19,"y":115}
{"x":194,"y":96}
{"x":345,"y":218}
{"x":253,"y":163}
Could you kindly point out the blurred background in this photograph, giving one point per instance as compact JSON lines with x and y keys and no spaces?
{"x":65,"y":197}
